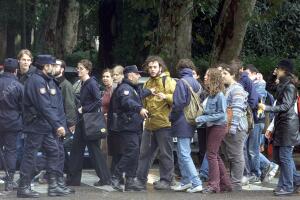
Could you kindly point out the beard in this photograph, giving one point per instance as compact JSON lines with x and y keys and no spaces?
{"x":55,"y":73}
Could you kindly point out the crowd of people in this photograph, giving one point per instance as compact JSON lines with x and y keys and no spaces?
{"x":239,"y":115}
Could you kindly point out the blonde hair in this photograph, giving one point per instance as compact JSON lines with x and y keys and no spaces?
{"x":24,"y":52}
{"x":118,"y":68}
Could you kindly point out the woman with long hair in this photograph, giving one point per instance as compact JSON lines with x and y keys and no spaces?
{"x":216,"y":122}
{"x":286,"y":129}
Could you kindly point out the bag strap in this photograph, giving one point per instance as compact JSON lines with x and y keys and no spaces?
{"x":164,"y":78}
{"x":192,"y":91}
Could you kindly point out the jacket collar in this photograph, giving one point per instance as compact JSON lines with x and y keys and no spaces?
{"x":186,"y":72}
{"x":9,"y":75}
{"x":46,"y":77}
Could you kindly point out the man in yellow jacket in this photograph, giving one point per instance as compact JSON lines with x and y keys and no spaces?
{"x":157,"y":131}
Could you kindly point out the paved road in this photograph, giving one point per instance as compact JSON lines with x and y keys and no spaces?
{"x":88,"y":192}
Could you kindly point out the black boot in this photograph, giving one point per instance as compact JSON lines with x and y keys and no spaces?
{"x":24,"y":190}
{"x":115,"y":183}
{"x":132,"y":184}
{"x":61,"y":183}
{"x":53,"y":188}
{"x":10,"y":185}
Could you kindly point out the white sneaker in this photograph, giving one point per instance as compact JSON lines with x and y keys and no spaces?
{"x":195,"y":189}
{"x":271,"y":174}
{"x":245,"y":181}
{"x":181,"y":187}
{"x":274,"y":170}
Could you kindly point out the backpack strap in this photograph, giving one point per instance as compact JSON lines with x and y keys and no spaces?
{"x":164,"y":78}
{"x":192,"y":91}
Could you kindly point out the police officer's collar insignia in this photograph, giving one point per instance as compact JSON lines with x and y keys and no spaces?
{"x":126,"y":92}
{"x":43,"y":90}
{"x":53,"y":91}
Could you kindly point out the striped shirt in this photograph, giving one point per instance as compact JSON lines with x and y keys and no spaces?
{"x":236,"y":98}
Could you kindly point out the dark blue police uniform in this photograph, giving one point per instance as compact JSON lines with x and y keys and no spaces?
{"x":11,"y":95}
{"x":124,"y":120}
{"x":43,"y":114}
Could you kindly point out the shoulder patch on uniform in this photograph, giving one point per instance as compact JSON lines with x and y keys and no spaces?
{"x":126,"y":92}
{"x":53,"y":91}
{"x":43,"y":90}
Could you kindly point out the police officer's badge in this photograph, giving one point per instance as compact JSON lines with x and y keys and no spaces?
{"x":53,"y":91}
{"x":126,"y":92}
{"x":103,"y":130}
{"x":43,"y":90}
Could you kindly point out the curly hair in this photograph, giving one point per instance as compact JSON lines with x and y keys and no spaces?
{"x":215,"y":82}
{"x":153,"y":58}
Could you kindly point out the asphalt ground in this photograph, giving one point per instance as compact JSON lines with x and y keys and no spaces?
{"x":88,"y":192}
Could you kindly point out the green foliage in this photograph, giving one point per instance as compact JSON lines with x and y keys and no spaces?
{"x":75,"y":57}
{"x":266,"y":64}
{"x":135,"y":36}
{"x":202,"y":63}
{"x":279,"y":35}
{"x":205,"y":20}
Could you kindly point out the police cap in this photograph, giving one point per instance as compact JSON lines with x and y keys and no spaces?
{"x":42,"y":60}
{"x":131,"y":69}
{"x":11,"y":64}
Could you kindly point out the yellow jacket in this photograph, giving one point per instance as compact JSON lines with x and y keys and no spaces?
{"x":159,"y":109}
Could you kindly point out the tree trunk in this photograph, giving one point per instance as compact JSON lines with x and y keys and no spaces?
{"x":3,"y":44}
{"x":50,"y":29}
{"x":30,"y":29}
{"x":71,"y":27}
{"x":67,"y":27}
{"x":11,"y":36}
{"x":174,"y":31}
{"x":106,"y":11}
{"x":231,"y":30}
{"x":23,"y":31}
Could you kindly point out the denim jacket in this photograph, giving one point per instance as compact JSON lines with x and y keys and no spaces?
{"x":214,"y":111}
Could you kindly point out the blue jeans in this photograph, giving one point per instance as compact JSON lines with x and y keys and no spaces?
{"x":254,"y":149}
{"x":288,"y":175}
{"x":186,"y":164}
{"x":203,"y":172}
{"x":264,"y":162}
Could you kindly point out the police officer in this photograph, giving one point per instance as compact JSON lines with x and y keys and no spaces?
{"x":125,"y":119}
{"x":44,"y":123}
{"x":11,"y":95}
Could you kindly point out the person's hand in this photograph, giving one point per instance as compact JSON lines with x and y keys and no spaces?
{"x":261,"y":106}
{"x":80,"y":110}
{"x":61,"y":132}
{"x":144,"y":113}
{"x":161,"y":96}
{"x":152,"y":91}
{"x":275,"y":71}
{"x":268,"y":135}
{"x":72,"y":129}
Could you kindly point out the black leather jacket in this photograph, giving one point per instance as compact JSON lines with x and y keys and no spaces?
{"x":286,"y":126}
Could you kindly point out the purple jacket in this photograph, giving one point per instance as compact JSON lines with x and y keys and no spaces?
{"x":181,"y":98}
